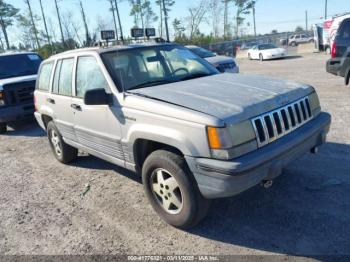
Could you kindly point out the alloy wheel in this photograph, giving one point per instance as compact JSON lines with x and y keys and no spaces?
{"x":167,"y":191}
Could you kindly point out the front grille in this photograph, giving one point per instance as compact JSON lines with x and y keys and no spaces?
{"x":276,"y":124}
{"x":226,"y":66}
{"x":19,"y":93}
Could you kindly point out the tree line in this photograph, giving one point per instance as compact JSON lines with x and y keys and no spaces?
{"x":37,"y":31}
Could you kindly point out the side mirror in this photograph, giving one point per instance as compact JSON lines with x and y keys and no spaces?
{"x":96,"y":96}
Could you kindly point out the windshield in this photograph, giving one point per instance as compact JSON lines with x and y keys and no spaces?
{"x":267,"y":46}
{"x":201,"y":52}
{"x":19,"y":65}
{"x":149,"y":66}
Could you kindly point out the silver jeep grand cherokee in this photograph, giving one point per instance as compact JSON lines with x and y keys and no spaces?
{"x":192,"y":133}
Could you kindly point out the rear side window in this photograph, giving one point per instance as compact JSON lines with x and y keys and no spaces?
{"x":345,"y":30}
{"x":63,"y":77}
{"x":45,"y":77}
{"x":89,"y":76}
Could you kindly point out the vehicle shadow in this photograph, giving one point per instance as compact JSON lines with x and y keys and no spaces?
{"x":91,"y":162}
{"x":305,"y":213}
{"x":27,"y":128}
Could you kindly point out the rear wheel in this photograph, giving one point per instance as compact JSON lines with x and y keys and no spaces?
{"x":3,"y":128}
{"x":172,"y":191}
{"x":249,"y":56}
{"x":63,"y":152}
{"x":293,"y":44}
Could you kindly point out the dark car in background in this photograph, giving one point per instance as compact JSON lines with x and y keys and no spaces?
{"x":339,"y":64}
{"x":224,"y":64}
{"x":18,"y":72}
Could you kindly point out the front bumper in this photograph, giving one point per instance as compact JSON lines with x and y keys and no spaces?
{"x":217,"y":179}
{"x":15,"y":113}
{"x":275,"y":56}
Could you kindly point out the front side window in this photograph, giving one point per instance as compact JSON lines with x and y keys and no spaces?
{"x":89,"y":76}
{"x":201,"y":52}
{"x":267,"y":46}
{"x":45,"y":77}
{"x":19,"y":65}
{"x":148,"y":66}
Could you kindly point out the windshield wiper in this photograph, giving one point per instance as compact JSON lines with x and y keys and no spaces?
{"x":150,"y":83}
{"x":193,"y":76}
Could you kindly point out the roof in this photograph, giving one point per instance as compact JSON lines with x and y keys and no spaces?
{"x":101,"y":50}
{"x":12,"y":53}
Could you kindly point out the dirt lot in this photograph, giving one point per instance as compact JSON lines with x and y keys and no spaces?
{"x":305,"y":213}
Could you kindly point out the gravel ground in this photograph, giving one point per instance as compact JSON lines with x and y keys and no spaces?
{"x":306,"y":213}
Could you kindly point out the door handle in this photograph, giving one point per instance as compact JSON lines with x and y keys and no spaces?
{"x":76,"y":107}
{"x":50,"y":100}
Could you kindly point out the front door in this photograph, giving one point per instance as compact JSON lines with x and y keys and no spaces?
{"x":97,"y":127}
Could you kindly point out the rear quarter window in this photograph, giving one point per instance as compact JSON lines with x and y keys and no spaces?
{"x":45,"y":77}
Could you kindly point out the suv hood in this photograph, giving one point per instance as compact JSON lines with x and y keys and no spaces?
{"x":232,"y":98}
{"x":14,"y":80}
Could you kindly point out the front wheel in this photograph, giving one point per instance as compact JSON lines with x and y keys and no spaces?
{"x":172,"y":191}
{"x":261,"y":57}
{"x":63,"y":152}
{"x":3,"y":128}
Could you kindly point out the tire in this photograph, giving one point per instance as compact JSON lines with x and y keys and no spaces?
{"x":249,"y":56}
{"x":293,"y":44}
{"x":3,"y":128}
{"x":261,"y":57}
{"x":347,"y":78}
{"x":63,"y":152}
{"x":172,"y":190}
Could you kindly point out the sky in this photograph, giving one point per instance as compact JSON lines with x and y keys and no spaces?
{"x":282,"y":15}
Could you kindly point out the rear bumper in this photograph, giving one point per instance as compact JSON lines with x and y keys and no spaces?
{"x":15,"y":113}
{"x":217,"y":179}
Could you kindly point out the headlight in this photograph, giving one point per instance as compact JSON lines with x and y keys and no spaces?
{"x":314,"y":104}
{"x":232,"y":141}
{"x":219,"y":138}
{"x":2,"y":99}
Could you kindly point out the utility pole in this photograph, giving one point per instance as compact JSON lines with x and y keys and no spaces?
{"x":166,"y":21}
{"x":115,"y":22}
{"x":87,"y":34}
{"x":326,"y":10}
{"x":45,"y":25}
{"x":33,"y":23}
{"x":306,"y":21}
{"x":120,"y":24}
{"x":254,"y":19}
{"x":60,"y":23}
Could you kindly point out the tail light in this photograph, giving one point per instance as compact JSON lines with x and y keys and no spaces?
{"x":334,"y":50}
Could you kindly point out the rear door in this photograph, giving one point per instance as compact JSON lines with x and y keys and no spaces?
{"x":60,"y":99}
{"x":343,"y":46}
{"x":343,"y":38}
{"x":97,"y":127}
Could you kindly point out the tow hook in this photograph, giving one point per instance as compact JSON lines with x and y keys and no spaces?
{"x":267,"y":183}
{"x":314,"y":150}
